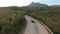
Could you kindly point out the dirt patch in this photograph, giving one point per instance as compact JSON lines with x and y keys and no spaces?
{"x":4,"y":13}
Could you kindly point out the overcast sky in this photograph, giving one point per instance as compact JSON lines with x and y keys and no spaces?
{"x":26,"y":2}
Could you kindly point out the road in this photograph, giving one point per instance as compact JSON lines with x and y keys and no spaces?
{"x":35,"y":28}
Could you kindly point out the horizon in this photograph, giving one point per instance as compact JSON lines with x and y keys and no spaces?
{"x":7,"y":3}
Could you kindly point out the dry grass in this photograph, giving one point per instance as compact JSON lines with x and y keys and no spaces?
{"x":4,"y":13}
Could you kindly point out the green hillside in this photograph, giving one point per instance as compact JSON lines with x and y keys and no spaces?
{"x":15,"y":21}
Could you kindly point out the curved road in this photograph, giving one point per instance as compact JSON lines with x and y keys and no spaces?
{"x":35,"y":28}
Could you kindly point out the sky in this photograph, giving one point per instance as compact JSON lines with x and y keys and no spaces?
{"x":5,"y":3}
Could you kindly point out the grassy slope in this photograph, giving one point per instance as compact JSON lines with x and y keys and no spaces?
{"x":11,"y":22}
{"x":51,"y":19}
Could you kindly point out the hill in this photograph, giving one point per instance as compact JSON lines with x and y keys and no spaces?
{"x":49,"y":15}
{"x":33,"y":4}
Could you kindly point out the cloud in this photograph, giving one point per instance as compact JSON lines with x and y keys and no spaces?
{"x":14,"y":2}
{"x":26,"y":2}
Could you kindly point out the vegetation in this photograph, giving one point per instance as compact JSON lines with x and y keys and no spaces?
{"x":14,"y":22}
{"x":47,"y":15}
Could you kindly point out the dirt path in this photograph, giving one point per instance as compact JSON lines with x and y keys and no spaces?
{"x":35,"y":28}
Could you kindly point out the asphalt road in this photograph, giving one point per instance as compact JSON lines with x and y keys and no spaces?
{"x":34,"y":28}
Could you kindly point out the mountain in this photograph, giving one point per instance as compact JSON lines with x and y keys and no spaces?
{"x":33,"y":4}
